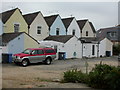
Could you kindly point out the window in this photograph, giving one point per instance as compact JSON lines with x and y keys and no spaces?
{"x":86,"y":33}
{"x":50,"y":51}
{"x":73,"y":33}
{"x":111,"y":34}
{"x":39,"y":29}
{"x":93,"y":49}
{"x":57,"y":31}
{"x":34,"y":52}
{"x":40,"y":52}
{"x":16,"y":27}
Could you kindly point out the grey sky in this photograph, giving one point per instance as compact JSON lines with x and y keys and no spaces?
{"x":102,"y":14}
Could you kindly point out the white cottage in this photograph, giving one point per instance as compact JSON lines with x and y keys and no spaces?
{"x":105,"y":47}
{"x":72,"y":27}
{"x":87,"y":28}
{"x":67,"y":46}
{"x":89,"y":47}
{"x":37,"y":26}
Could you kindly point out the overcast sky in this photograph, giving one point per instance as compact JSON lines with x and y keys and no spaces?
{"x":101,"y":14}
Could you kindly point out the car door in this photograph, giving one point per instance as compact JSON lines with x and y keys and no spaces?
{"x":41,"y":55}
{"x":34,"y":56}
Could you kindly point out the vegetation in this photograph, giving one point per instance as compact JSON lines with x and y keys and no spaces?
{"x":102,"y":76}
{"x":116,"y":49}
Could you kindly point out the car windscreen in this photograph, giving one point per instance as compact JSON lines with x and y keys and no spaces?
{"x":27,"y":51}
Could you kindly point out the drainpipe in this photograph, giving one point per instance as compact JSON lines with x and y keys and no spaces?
{"x":98,"y":50}
{"x":82,"y":47}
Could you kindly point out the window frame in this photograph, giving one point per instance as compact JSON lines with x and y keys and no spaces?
{"x":86,"y":33}
{"x":16,"y":27}
{"x":73,"y":32}
{"x":39,"y":28}
{"x":57,"y":31}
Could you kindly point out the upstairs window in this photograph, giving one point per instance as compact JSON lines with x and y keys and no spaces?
{"x":86,"y":33}
{"x":16,"y":28}
{"x":111,"y":34}
{"x":57,"y":31}
{"x":73,"y":32}
{"x":39,"y":29}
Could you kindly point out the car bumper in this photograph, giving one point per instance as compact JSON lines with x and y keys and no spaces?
{"x":16,"y":60}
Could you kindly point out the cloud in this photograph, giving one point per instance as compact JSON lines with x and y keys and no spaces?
{"x":102,"y":14}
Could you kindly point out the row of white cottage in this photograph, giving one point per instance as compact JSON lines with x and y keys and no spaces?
{"x":70,"y":37}
{"x":72,"y":47}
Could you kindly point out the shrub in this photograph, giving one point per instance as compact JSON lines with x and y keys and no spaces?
{"x":116,"y":49}
{"x":74,"y":76}
{"x":113,"y":79}
{"x":102,"y":76}
{"x":97,"y":77}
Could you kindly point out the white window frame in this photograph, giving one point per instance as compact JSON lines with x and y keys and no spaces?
{"x":73,"y":31}
{"x":39,"y":28}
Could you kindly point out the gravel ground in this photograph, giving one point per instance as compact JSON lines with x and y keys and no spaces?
{"x":46,"y":76}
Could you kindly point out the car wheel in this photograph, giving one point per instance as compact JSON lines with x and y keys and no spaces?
{"x":48,"y":61}
{"x":25,"y":63}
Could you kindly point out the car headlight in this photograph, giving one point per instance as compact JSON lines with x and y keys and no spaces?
{"x":18,"y":57}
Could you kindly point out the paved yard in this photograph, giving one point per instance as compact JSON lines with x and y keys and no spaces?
{"x":44,"y":76}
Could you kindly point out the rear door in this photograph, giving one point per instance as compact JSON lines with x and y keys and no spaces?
{"x":41,"y":55}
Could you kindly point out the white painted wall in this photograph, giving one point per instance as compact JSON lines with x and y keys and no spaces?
{"x":87,"y":50}
{"x":88,"y":28}
{"x":74,"y":26}
{"x":1,"y":27}
{"x":39,"y":21}
{"x":73,"y":45}
{"x":105,"y":45}
{"x":16,"y":45}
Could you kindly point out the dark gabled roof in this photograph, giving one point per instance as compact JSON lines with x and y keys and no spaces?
{"x":7,"y":14}
{"x":50,"y":19}
{"x":59,"y":38}
{"x":29,"y":18}
{"x":94,"y":31}
{"x":88,"y":39}
{"x":67,"y":21}
{"x":81,"y":23}
{"x":6,"y":37}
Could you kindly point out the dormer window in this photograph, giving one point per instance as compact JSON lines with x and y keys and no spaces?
{"x":73,"y":32}
{"x":86,"y":33}
{"x":39,"y":29}
{"x":57,"y":31}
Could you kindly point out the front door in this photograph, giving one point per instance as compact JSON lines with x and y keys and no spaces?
{"x":37,"y":56}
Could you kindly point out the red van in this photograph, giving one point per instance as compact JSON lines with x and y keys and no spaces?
{"x":35,"y":55}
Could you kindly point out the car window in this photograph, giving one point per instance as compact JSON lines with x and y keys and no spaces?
{"x":40,"y":52}
{"x":27,"y":51}
{"x":50,"y":51}
{"x":34,"y":52}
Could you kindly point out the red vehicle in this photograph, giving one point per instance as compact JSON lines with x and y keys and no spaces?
{"x":35,"y":55}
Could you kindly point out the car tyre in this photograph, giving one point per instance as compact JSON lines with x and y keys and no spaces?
{"x":48,"y":61}
{"x":25,"y":63}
